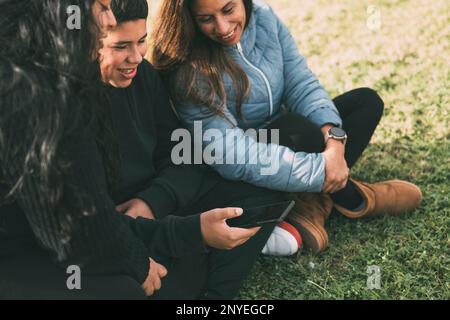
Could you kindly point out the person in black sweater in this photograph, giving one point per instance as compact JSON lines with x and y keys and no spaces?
{"x":60,"y":178}
{"x":151,"y":185}
{"x":54,"y":189}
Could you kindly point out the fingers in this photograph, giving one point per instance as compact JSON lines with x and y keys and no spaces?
{"x":153,"y":282}
{"x":341,"y":184}
{"x":162,"y":271}
{"x":152,"y":286}
{"x":241,"y":242}
{"x":330,"y":186}
{"x":130,"y":214}
{"x":240,"y":233}
{"x":326,"y":187}
{"x":123,"y":207}
{"x":149,"y":290}
{"x":239,"y":236}
{"x":218,"y":234}
{"x":336,"y":187}
{"x":227,"y":213}
{"x":148,"y":286}
{"x":156,"y":283}
{"x":335,"y":184}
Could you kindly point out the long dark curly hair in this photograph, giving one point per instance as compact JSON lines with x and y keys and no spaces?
{"x":50,"y":91}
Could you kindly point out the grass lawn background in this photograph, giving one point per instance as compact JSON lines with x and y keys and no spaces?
{"x":407,"y":60}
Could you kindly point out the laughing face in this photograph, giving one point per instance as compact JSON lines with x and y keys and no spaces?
{"x":220,"y":20}
{"x":123,"y":50}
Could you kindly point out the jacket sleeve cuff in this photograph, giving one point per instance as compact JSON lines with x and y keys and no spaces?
{"x":312,"y":181}
{"x":323,"y":116}
{"x":319,"y":175}
{"x":172,"y":236}
{"x":190,"y":235}
{"x":159,"y":200}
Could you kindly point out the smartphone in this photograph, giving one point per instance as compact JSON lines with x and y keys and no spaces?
{"x":259,"y":216}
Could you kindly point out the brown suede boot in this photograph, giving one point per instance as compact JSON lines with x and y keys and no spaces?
{"x":393,"y":197}
{"x":308,"y":216}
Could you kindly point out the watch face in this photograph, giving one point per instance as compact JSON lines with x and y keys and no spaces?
{"x":337,"y":132}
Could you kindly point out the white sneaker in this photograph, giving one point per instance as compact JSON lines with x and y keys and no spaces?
{"x":284,"y":241}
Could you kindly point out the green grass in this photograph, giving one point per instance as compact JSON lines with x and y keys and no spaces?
{"x":407,"y":61}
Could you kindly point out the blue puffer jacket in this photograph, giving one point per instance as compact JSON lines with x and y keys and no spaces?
{"x":278,"y":76}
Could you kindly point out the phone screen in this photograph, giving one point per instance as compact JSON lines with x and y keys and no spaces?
{"x":258,"y":216}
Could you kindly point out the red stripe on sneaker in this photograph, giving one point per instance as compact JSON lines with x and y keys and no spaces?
{"x":292,"y":230}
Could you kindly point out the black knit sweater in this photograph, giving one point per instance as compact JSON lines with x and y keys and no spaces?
{"x":109,"y":242}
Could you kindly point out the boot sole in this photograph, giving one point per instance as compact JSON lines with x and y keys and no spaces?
{"x":315,"y":239}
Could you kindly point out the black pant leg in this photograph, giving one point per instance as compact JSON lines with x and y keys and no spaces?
{"x":227,"y":269}
{"x":361,"y":110}
{"x":186,"y":278}
{"x":298,"y":133}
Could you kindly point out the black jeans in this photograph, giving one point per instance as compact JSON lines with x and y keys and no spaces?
{"x":360,"y":110}
{"x":217,"y":274}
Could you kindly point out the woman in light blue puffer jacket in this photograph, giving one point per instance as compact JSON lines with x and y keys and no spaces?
{"x":232,"y":66}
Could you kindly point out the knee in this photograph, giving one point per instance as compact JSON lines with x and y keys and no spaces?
{"x":298,"y":133}
{"x":307,"y":136}
{"x":315,"y":142}
{"x":373,"y":101}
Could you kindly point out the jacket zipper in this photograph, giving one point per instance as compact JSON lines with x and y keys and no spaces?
{"x":266,"y":80}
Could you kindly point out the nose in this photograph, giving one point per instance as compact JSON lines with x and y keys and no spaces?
{"x":222,"y":26}
{"x":135,"y":56}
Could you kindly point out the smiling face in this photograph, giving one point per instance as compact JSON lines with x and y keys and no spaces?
{"x":123,"y":50}
{"x":220,"y":20}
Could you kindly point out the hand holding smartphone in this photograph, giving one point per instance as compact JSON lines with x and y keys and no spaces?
{"x":262,"y":215}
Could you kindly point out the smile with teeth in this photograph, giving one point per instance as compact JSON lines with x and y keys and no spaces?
{"x":127,"y":71}
{"x":228,"y":36}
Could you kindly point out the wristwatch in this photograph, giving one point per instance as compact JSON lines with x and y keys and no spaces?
{"x":336,"y":134}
